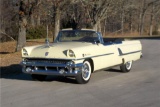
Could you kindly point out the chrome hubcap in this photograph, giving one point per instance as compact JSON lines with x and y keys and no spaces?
{"x":86,"y":71}
{"x":128,"y":65}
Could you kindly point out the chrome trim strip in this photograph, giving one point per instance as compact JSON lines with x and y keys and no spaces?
{"x":95,"y":56}
{"x":42,"y":64}
{"x":47,"y":58}
{"x":129,"y":53}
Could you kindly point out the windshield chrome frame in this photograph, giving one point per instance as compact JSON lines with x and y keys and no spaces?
{"x":60,"y":32}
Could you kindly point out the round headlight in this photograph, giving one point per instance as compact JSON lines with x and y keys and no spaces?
{"x":71,"y":53}
{"x":24,"y":51}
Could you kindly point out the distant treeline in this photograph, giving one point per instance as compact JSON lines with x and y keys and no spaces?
{"x":132,"y":17}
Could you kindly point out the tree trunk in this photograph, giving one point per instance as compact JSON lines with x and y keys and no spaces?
{"x":151,"y":21}
{"x":143,"y":12}
{"x":22,"y":26}
{"x":122,"y":22}
{"x":57,"y":23}
{"x":99,"y":27}
{"x":104,"y":28}
{"x":151,"y":26}
{"x":131,"y":27}
{"x":159,"y":28}
{"x":95,"y":26}
{"x":130,"y":22}
{"x":39,"y":20}
{"x":22,"y":34}
{"x":32,"y":21}
{"x":139,"y":24}
{"x":142,"y":24}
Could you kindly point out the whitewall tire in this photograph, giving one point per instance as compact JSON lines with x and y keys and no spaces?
{"x":85,"y":76}
{"x":126,"y":67}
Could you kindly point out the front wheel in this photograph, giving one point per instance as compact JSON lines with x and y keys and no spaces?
{"x":38,"y":77}
{"x":126,"y":67}
{"x":84,"y":77}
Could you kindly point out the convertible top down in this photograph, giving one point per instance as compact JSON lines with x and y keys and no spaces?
{"x":78,"y":53}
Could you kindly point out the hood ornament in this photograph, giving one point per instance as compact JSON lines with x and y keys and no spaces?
{"x":46,"y":54}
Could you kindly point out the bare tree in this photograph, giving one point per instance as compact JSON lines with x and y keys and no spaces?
{"x":22,"y":25}
{"x":58,"y":7}
{"x":145,"y":4}
{"x":122,"y":6}
{"x":155,"y":9}
{"x":98,"y":11}
{"x":102,"y":15}
{"x":8,"y":18}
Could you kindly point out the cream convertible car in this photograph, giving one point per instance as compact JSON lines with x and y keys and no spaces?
{"x":78,"y":53}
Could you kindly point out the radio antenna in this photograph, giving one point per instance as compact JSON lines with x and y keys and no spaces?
{"x":47,"y":40}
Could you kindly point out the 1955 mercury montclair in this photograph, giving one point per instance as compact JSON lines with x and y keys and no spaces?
{"x":78,"y":53}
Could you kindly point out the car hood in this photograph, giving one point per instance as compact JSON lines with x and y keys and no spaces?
{"x":59,"y":50}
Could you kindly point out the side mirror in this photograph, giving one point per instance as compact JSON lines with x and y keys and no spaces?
{"x":97,"y":42}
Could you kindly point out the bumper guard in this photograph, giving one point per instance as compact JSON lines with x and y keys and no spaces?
{"x":44,"y":68}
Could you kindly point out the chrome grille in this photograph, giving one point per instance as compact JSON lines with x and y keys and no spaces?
{"x":47,"y":61}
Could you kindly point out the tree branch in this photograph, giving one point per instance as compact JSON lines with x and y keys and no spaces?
{"x":6,"y":35}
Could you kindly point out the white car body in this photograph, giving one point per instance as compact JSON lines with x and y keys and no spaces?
{"x":67,"y":57}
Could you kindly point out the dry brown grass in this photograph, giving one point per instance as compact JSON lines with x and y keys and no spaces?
{"x":8,"y":56}
{"x":9,"y":59}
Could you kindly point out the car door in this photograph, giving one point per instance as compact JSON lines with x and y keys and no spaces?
{"x":105,"y":56}
{"x":109,"y":57}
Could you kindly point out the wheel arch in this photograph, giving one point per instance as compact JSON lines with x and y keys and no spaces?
{"x":125,"y":60}
{"x":92,"y":64}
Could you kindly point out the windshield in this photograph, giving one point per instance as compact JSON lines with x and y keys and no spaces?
{"x":77,"y":35}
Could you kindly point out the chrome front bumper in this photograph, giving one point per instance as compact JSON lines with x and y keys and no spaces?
{"x":44,"y":68}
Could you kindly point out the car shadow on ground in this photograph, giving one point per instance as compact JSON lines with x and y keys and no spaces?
{"x":10,"y":70}
{"x":113,"y":70}
{"x":15,"y":72}
{"x":61,"y":79}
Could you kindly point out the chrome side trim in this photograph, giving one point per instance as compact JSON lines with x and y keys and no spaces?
{"x":122,"y":54}
{"x":95,"y":56}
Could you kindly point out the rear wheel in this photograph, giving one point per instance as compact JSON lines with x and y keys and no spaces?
{"x":126,"y":67}
{"x":38,"y":77}
{"x":84,"y":77}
